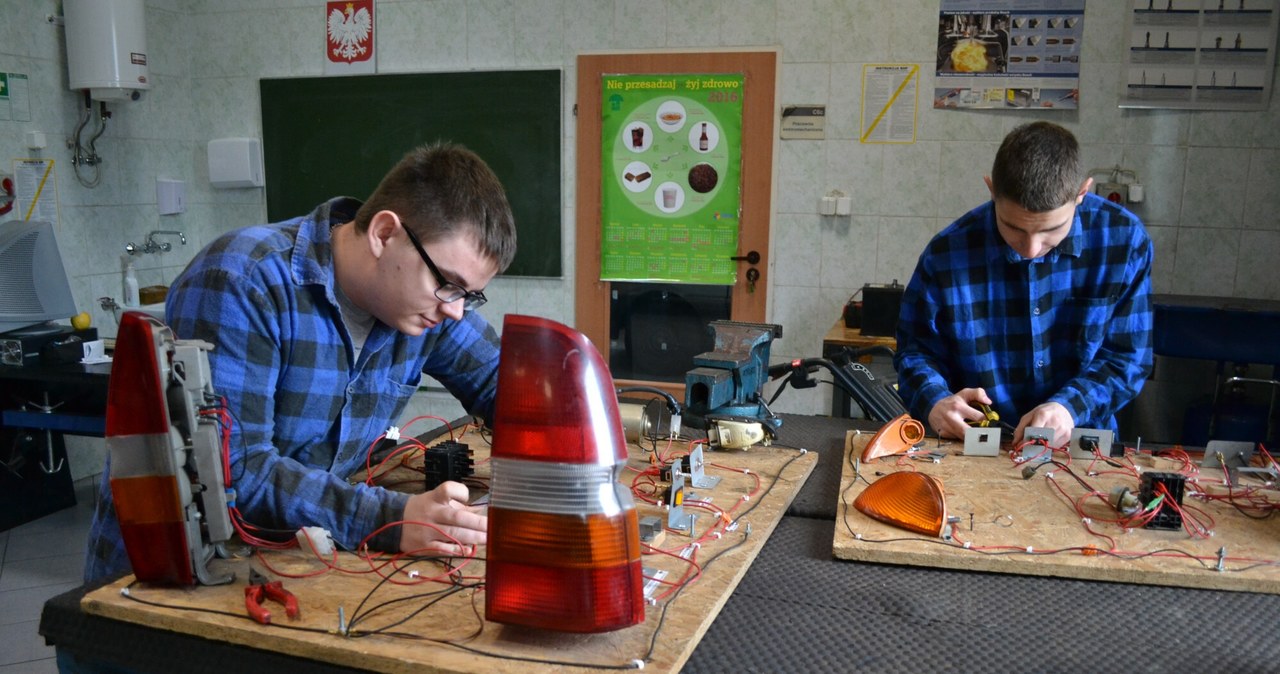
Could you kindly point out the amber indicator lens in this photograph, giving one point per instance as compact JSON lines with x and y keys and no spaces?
{"x":913,"y":501}
{"x":895,"y":437}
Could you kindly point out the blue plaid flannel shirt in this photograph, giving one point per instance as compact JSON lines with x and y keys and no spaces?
{"x":1073,"y":326}
{"x":305,"y":414}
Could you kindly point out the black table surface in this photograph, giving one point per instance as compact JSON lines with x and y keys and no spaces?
{"x":799,"y":609}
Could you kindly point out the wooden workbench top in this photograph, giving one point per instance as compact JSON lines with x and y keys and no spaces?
{"x":449,"y":635}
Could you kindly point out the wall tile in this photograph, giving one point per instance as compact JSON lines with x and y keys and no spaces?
{"x":801,"y":83}
{"x":1262,"y":198}
{"x":804,"y":31}
{"x":588,"y":26}
{"x":539,"y":32}
{"x":491,"y":33}
{"x":961,"y":166}
{"x":848,"y":253}
{"x":855,"y":169}
{"x":749,"y":23}
{"x":694,"y":23}
{"x":801,"y":167}
{"x":796,"y":240}
{"x":1256,"y":275}
{"x":1160,"y":169}
{"x":1214,"y":193}
{"x":909,"y":182}
{"x":1156,"y":127}
{"x":1164,"y":240}
{"x":899,"y":242}
{"x":1206,"y":261}
{"x":422,"y":36}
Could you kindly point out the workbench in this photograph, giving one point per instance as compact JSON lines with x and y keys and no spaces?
{"x":798,"y":608}
{"x":39,"y":404}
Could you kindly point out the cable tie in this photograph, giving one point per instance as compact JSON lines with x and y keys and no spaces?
{"x":696,"y":545}
{"x":638,"y":663}
{"x":1048,"y":475}
{"x":803,"y":451}
{"x":732,"y":527}
{"x":651,"y":601}
{"x":746,"y":497}
{"x":966,"y":545}
{"x":393,"y":433}
{"x":716,"y":535}
{"x":124,"y":591}
{"x":1087,"y":520}
{"x":1030,"y":549}
{"x":857,"y":537}
{"x":413,"y":573}
{"x":746,"y":471}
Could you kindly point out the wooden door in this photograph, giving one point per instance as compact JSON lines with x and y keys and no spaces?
{"x":592,"y":296}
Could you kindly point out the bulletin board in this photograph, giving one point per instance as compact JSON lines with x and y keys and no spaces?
{"x":337,"y":136}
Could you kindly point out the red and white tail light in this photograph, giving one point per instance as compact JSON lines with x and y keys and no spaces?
{"x":563,"y":541}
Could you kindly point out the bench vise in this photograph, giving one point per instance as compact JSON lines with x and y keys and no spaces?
{"x":728,"y":381}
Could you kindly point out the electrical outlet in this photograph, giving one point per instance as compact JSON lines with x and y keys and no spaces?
{"x":1082,"y":438}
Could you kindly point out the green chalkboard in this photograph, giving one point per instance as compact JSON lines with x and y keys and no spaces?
{"x":337,"y":136}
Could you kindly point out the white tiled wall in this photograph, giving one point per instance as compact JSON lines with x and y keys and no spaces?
{"x":1212,"y":184}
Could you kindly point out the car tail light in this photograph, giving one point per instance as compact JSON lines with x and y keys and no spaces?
{"x":895,"y":437}
{"x":564,"y":540}
{"x":913,"y":501}
{"x":145,"y":471}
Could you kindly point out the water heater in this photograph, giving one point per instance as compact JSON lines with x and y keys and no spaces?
{"x":107,"y":48}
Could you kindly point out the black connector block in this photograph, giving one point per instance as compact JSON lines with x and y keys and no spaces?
{"x":1166,"y":516}
{"x":446,"y":461}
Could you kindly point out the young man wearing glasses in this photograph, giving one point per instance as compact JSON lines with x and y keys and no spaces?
{"x":323,"y":326}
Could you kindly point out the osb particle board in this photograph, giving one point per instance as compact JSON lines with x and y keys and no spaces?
{"x":458,"y":617}
{"x":1011,"y":515}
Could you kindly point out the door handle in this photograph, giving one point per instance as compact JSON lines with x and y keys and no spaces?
{"x":752,"y":257}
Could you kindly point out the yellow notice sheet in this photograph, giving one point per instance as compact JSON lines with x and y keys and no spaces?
{"x":889,"y":95}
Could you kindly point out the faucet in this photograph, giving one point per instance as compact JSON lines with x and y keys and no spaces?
{"x":152,"y":246}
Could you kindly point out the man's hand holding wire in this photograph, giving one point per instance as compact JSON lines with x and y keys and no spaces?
{"x":441,"y":521}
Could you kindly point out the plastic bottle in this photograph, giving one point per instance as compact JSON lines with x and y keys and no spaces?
{"x":130,"y":285}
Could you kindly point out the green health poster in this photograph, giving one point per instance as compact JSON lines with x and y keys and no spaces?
{"x":671,"y":177}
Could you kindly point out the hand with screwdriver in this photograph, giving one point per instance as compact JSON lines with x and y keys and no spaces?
{"x":951,"y":415}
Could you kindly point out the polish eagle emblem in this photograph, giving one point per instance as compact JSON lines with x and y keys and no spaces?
{"x":349,"y":30}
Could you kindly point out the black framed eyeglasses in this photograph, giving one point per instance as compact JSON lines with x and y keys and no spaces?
{"x":446,"y":291}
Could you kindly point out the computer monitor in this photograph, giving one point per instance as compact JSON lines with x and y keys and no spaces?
{"x":34,"y":288}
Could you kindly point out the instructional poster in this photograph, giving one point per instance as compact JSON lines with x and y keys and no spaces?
{"x":671,"y":169}
{"x":35,"y":189}
{"x":889,"y":103}
{"x":1200,"y":54}
{"x":1009,"y":54}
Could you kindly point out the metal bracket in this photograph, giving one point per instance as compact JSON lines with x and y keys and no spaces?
{"x":982,"y":441}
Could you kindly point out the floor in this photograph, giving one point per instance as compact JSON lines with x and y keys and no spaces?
{"x":38,"y":560}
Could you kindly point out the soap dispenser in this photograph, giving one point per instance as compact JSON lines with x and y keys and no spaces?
{"x":130,"y":285}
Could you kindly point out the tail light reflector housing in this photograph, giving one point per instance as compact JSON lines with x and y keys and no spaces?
{"x":145,"y":470}
{"x":564,"y":540}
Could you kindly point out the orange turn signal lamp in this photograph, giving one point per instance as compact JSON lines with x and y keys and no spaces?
{"x":907,"y":499}
{"x":895,"y":437}
{"x":564,"y":537}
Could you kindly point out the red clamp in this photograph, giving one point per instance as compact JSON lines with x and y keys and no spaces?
{"x":258,"y":588}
